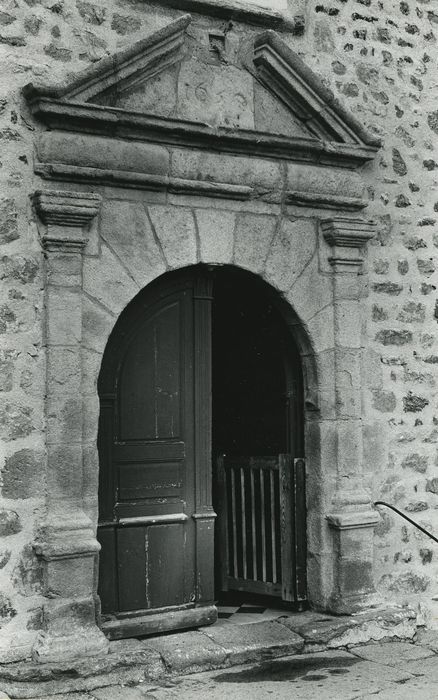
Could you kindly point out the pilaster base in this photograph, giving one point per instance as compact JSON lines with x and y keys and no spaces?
{"x":70,"y":632}
{"x":353,"y":588}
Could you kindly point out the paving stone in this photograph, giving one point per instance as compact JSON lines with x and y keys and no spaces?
{"x":257,"y":641}
{"x":121,"y":692}
{"x":332,"y":675}
{"x":428,"y":638}
{"x":188,"y":652}
{"x":393,"y":653}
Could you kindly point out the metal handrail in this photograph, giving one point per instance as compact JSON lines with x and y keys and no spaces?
{"x":396,"y":510}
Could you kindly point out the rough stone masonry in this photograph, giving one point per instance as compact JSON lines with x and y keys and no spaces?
{"x":378,"y":57}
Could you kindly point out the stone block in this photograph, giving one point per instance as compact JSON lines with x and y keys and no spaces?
{"x":311,"y":293}
{"x":271,"y":115}
{"x":64,"y":269}
{"x":293,"y":246}
{"x":107,"y":281}
{"x":86,"y":150}
{"x":217,"y":95}
{"x":10,"y":523}
{"x":63,"y":325}
{"x":348,"y":328}
{"x":8,"y":221}
{"x":127,"y":230}
{"x":175,"y":229}
{"x":253,"y":237}
{"x":17,"y":268}
{"x":97,"y":324}
{"x":21,"y":475}
{"x":69,"y":578}
{"x":262,"y":174}
{"x":323,"y":180}
{"x":63,"y":371}
{"x":255,"y":642}
{"x":64,"y":471}
{"x":16,"y":421}
{"x":64,"y":419}
{"x":157,"y":96}
{"x":189,"y":652}
{"x":320,"y":327}
{"x":7,"y":358}
{"x":216,"y":235}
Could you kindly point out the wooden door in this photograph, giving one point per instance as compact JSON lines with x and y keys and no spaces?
{"x":155,"y":514}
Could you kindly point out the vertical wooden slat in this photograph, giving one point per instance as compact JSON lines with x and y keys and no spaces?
{"x":300,"y":527}
{"x":273,"y":526}
{"x":234,"y":520}
{"x":222,"y":524}
{"x":243,"y":514}
{"x":263,"y":524}
{"x":253,"y":526}
{"x":287,"y":574}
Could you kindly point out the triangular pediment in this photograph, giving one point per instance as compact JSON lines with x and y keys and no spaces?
{"x":185,"y":76}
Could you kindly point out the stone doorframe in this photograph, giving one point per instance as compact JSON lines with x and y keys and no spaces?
{"x":324,"y":309}
{"x":158,"y":193}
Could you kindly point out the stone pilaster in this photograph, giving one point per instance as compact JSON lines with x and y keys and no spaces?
{"x":352,"y":518}
{"x":66,"y":544}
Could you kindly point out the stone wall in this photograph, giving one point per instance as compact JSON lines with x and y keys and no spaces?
{"x":379,"y":58}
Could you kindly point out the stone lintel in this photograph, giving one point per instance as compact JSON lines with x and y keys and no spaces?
{"x":69,"y":210}
{"x":353,"y":520}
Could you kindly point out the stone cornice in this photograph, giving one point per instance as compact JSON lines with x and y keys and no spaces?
{"x":348,"y":233}
{"x":119,"y":123}
{"x":124,"y":69}
{"x":283,"y":72}
{"x":64,"y":208}
{"x":238,"y":11}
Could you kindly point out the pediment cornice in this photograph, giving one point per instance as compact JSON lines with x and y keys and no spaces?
{"x":335,"y":137}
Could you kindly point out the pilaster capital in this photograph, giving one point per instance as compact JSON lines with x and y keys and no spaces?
{"x":347,"y":238}
{"x":65,"y":214}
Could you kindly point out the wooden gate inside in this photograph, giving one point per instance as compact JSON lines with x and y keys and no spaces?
{"x":157,"y":460}
{"x":258,"y":445}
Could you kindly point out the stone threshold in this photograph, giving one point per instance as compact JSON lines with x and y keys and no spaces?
{"x":136,"y":661}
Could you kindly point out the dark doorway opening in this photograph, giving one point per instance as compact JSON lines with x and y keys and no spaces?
{"x":258,"y":466}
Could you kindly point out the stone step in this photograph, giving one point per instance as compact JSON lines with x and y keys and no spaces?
{"x":134,"y":661}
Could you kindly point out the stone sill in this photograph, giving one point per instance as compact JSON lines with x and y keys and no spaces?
{"x":236,"y":10}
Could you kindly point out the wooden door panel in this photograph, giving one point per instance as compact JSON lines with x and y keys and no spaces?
{"x":165,"y":552}
{"x":108,"y":569}
{"x":131,"y":565}
{"x":145,"y":480}
{"x":149,"y":387}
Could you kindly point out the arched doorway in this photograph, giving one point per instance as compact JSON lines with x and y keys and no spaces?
{"x":192,"y":341}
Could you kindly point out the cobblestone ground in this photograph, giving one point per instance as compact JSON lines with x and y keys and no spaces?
{"x":387,"y":671}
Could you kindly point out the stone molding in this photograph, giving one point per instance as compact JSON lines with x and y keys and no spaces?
{"x":124,"y":69}
{"x":283,"y":72}
{"x":65,"y":208}
{"x":347,"y":238}
{"x":353,"y":520}
{"x":239,"y":12}
{"x":142,"y":181}
{"x":65,"y":214}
